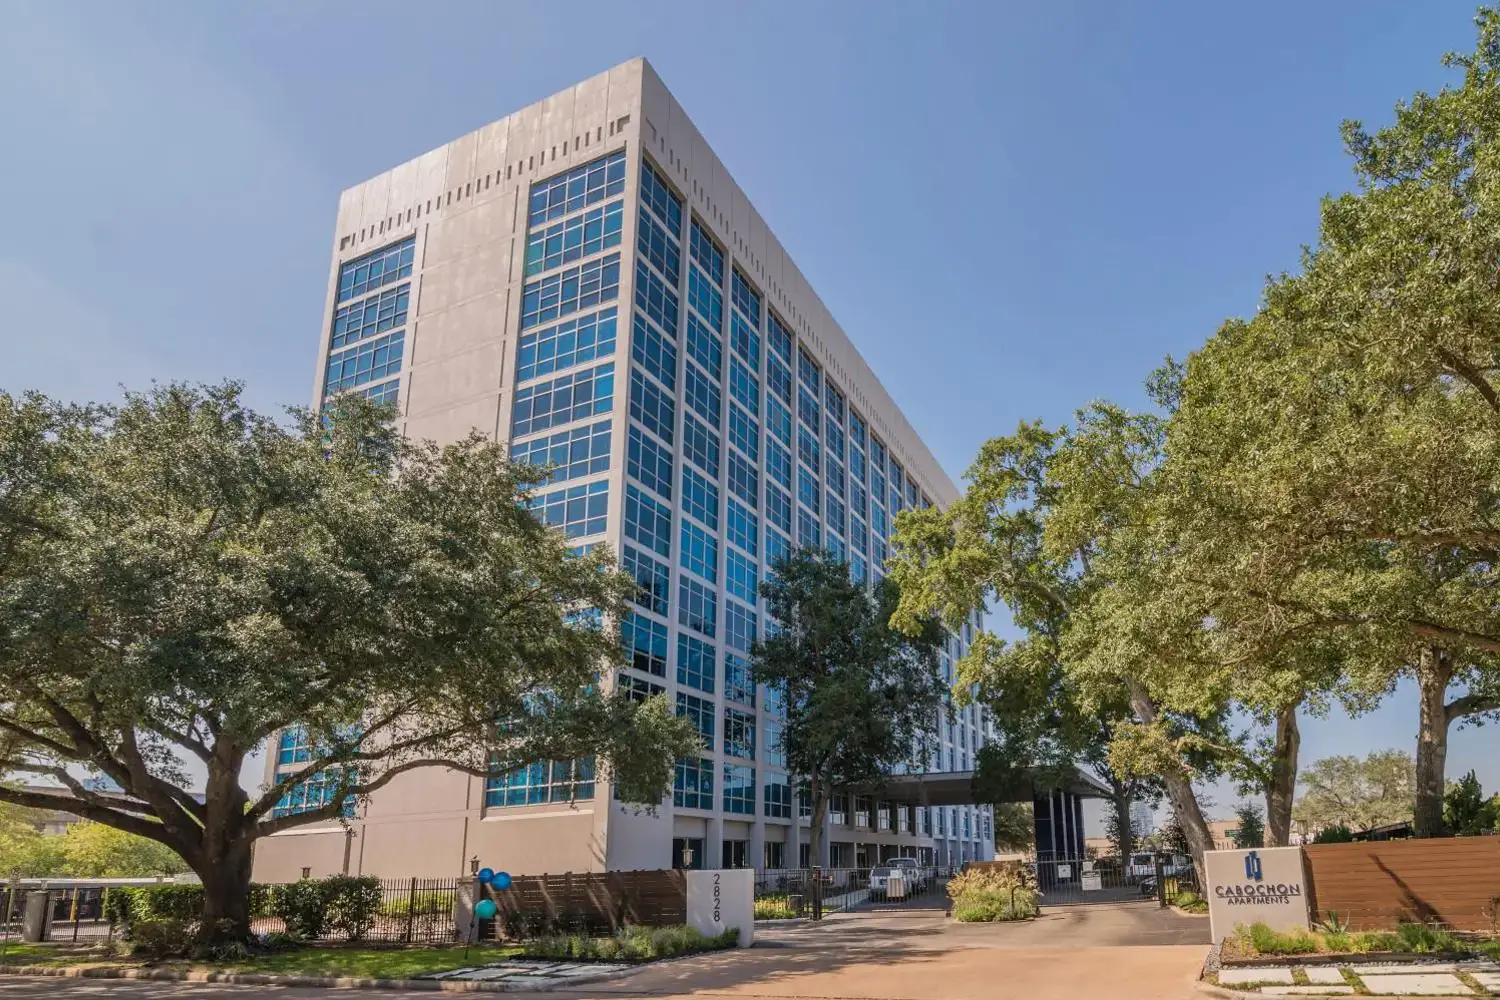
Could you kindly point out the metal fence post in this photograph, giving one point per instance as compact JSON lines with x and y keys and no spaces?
{"x":1161,"y":883}
{"x":817,"y":892}
{"x":411,"y":910}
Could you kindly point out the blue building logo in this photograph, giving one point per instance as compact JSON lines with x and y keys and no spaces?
{"x":1252,"y":867}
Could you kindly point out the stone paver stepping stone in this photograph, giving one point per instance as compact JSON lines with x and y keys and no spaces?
{"x":1417,"y":983}
{"x":1255,"y":974}
{"x":1405,"y":968}
{"x":1489,"y":980}
{"x":1324,"y":975}
{"x":1321,"y":991}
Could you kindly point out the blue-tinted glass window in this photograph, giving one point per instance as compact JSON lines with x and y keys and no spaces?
{"x":652,"y":579}
{"x":294,"y":746}
{"x":655,"y":409}
{"x":654,"y":352}
{"x":556,"y":295}
{"x":779,"y":420}
{"x":744,"y":341}
{"x":647,"y":521}
{"x":578,"y":188}
{"x":778,"y":547}
{"x":377,"y":269}
{"x":386,"y":393}
{"x":739,"y":627}
{"x":877,"y":554}
{"x":808,"y":372}
{"x":744,"y":387}
{"x":649,"y":463}
{"x":544,"y":781}
{"x":833,"y":513}
{"x":808,"y":492}
{"x":833,"y":474}
{"x":859,"y":568}
{"x":315,"y":792}
{"x":747,"y":301}
{"x":740,"y":576}
{"x":655,"y":299}
{"x":706,"y":298}
{"x":778,"y":804}
{"x":739,"y":684}
{"x":835,"y":404}
{"x":807,"y":449}
{"x":700,"y":711}
{"x":809,"y":534}
{"x":700,"y":445}
{"x":739,"y":733}
{"x":701,"y":393}
{"x":743,"y":528}
{"x":877,"y":485}
{"x":833,"y":438}
{"x":657,"y":195}
{"x":778,"y":463}
{"x":365,"y":362}
{"x":693,"y":785}
{"x":707,"y":253}
{"x":563,"y":399}
{"x":743,"y":480}
{"x":779,"y":336}
{"x":577,"y":510}
{"x":645,"y":643}
{"x":807,"y":409}
{"x":739,"y":789}
{"x":912,"y":493}
{"x":877,"y":521}
{"x":573,"y":454}
{"x":704,"y":346}
{"x":856,"y":464}
{"x":697,"y":607}
{"x":637,"y":689}
{"x":700,"y":552}
{"x":859,"y":535}
{"x":856,"y":430}
{"x":700,"y":498}
{"x":659,"y":248}
{"x":571,"y":342}
{"x":377,"y":314}
{"x":779,"y":378}
{"x":575,"y":238}
{"x":696,"y":666}
{"x":744,"y":433}
{"x":778,"y":508}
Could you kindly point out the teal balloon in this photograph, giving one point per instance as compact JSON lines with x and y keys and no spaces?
{"x":485,"y":874}
{"x":501,"y":881}
{"x":485,"y":909}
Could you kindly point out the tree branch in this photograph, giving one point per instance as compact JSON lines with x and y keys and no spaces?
{"x":1471,"y":375}
{"x":108,"y":815}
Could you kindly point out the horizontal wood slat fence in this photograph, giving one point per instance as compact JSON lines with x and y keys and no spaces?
{"x":1454,"y":882}
{"x":595,"y":900}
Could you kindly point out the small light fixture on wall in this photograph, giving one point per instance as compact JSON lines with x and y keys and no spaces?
{"x":474,"y":865}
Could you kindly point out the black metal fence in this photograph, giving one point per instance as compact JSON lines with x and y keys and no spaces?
{"x":814,"y":892}
{"x":409,"y":911}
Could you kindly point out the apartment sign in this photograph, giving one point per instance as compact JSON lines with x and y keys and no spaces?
{"x":721,"y":900}
{"x":1264,"y":885}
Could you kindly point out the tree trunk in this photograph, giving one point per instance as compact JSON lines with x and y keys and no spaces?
{"x":1124,"y":835}
{"x":1283,"y":786}
{"x":226,"y":893}
{"x":818,"y":792}
{"x":1179,"y":786}
{"x":1433,"y":673}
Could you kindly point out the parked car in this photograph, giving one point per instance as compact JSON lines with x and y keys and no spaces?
{"x":880,"y":879}
{"x":1142,"y":865}
{"x":919,"y":875}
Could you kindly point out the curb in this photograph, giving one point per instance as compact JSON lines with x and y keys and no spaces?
{"x":323,"y":982}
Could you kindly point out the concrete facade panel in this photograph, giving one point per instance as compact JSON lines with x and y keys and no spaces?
{"x":460,"y":330}
{"x":423,"y":847}
{"x":483,"y":272}
{"x":551,"y":841}
{"x":449,"y":423}
{"x":281,"y":858}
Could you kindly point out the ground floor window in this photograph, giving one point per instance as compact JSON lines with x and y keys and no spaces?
{"x":544,"y":781}
{"x":775,"y":855}
{"x":736,"y":854}
{"x":687,"y":852}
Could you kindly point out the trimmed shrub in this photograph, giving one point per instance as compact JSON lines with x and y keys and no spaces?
{"x":1190,"y":901}
{"x":630,"y":944}
{"x":161,"y":938}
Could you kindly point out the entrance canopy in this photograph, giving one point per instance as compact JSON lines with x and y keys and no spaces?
{"x":956,"y":788}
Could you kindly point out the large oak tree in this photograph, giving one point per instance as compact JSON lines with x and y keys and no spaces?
{"x":180,"y":578}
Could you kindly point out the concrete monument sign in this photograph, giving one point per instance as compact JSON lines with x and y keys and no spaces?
{"x":721,"y":899}
{"x":1265,"y":885}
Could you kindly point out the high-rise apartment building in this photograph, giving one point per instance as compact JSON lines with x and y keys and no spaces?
{"x":584,"y":280}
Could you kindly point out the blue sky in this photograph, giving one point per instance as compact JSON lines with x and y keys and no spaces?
{"x":1012,"y":208}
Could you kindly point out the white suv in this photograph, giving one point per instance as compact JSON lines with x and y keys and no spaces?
{"x":913,"y":870}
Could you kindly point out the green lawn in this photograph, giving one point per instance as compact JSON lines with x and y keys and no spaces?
{"x":364,"y":963}
{"x":369,"y":963}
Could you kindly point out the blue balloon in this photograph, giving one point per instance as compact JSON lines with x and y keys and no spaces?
{"x":501,"y":881}
{"x":485,"y":874}
{"x":485,"y":909}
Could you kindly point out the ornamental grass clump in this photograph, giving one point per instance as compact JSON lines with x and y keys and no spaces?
{"x":987,"y":894}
